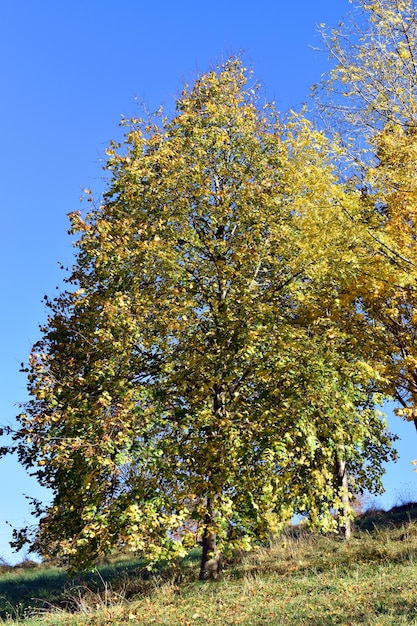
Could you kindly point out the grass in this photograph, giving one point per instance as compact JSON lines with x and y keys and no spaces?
{"x":302,"y":579}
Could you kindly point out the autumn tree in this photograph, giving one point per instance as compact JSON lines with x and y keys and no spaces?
{"x":371,"y":98}
{"x":188,"y":384}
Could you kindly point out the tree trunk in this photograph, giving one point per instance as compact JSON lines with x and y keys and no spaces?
{"x":343,"y":519}
{"x":210,"y":558}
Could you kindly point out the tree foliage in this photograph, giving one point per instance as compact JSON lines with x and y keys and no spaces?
{"x":201,"y":374}
{"x":373,"y":91}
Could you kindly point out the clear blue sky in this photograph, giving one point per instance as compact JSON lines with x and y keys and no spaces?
{"x":70,"y":70}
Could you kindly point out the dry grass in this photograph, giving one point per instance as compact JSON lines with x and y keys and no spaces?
{"x":302,"y":579}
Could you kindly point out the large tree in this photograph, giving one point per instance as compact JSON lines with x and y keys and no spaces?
{"x":188,"y":385}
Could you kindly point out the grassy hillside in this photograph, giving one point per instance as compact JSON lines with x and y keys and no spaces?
{"x":301,"y":579}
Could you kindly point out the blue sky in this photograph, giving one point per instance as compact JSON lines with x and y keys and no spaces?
{"x":69,"y":72}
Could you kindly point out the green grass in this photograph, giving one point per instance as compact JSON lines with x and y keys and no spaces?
{"x":302,"y":579}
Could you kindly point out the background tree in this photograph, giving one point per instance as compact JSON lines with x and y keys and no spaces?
{"x":177,"y":393}
{"x":371,"y":98}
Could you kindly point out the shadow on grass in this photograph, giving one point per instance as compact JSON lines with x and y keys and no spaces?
{"x":28,"y":589}
{"x":41,"y":588}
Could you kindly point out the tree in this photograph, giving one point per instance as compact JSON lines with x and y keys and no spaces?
{"x":176,"y":392}
{"x":371,"y":96}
